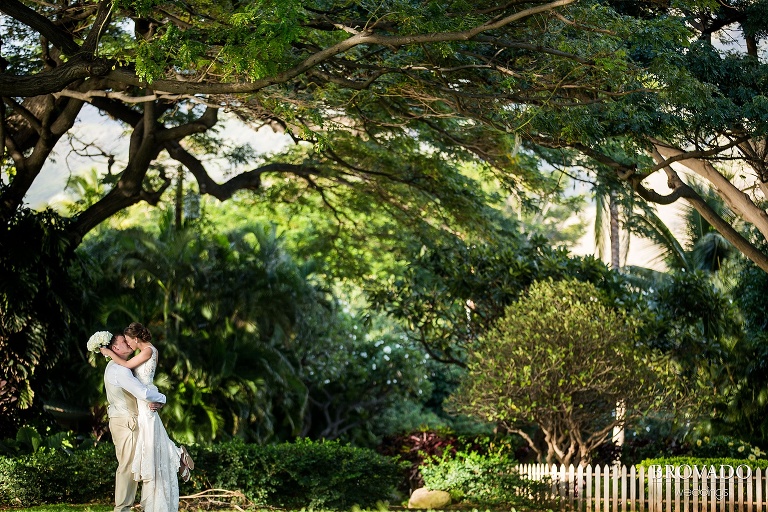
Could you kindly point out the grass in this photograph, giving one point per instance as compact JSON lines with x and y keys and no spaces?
{"x":69,"y":508}
{"x":108,"y":508}
{"x":64,"y":508}
{"x":83,"y":508}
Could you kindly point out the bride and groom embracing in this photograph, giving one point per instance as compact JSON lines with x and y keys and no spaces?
{"x":144,"y":451}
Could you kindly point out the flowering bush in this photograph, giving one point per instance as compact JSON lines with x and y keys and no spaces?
{"x":98,"y":340}
{"x":725,"y":446}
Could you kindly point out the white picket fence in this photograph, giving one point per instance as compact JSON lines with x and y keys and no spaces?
{"x":658,"y":489}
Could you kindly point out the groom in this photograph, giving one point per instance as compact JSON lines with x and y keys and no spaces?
{"x":122,"y":391}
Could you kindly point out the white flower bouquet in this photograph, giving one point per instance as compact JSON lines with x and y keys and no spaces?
{"x":98,"y":340}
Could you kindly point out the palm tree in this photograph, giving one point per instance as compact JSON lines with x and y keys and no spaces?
{"x":609,"y":202}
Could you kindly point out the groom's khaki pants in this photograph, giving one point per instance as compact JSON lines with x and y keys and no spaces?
{"x":124,"y":432}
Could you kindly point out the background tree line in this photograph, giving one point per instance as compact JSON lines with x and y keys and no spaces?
{"x":400,"y":117}
{"x":261,"y":341}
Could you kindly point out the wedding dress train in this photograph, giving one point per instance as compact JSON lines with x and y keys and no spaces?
{"x":157,"y":459}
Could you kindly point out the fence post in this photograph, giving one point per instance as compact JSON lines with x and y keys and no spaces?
{"x":730,"y":495}
{"x":552,"y":471}
{"x":677,"y":489}
{"x":598,"y":484}
{"x":623,"y":499}
{"x":658,"y":491}
{"x":571,"y":487}
{"x":563,"y":487}
{"x":579,"y":487}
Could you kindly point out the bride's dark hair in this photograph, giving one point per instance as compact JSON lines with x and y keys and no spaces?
{"x":138,"y":331}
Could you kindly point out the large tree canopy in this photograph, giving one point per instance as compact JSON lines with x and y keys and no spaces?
{"x":389,"y":96}
{"x":385,"y":103}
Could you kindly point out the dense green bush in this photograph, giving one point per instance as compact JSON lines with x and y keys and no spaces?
{"x":55,"y":476}
{"x":297,"y":475}
{"x":418,"y":445}
{"x":303,"y":474}
{"x":485,"y":480}
{"x":725,"y":446}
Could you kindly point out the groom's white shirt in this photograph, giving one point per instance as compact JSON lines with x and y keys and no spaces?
{"x":119,"y":380}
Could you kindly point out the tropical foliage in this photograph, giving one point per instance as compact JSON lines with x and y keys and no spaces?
{"x":391,"y":98}
{"x":250,"y":344}
{"x":37,"y":301}
{"x":452,"y":292}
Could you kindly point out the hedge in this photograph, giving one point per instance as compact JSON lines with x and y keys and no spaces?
{"x":304,"y":474}
{"x":55,"y":476}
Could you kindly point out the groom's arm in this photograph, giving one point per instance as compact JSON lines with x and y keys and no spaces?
{"x":126,"y":380}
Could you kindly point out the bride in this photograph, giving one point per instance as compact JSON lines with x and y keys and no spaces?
{"x":157,"y":458}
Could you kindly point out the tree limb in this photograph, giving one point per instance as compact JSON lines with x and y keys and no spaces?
{"x":250,"y":180}
{"x":711,"y":216}
{"x":54,"y":80}
{"x":736,"y":200}
{"x":42,"y":26}
{"x":97,"y":29}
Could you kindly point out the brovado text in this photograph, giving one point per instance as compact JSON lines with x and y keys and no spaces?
{"x":685,"y":472}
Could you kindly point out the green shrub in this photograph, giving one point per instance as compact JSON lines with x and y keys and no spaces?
{"x":55,"y":476}
{"x":484,"y":480}
{"x":725,"y":446}
{"x":303,"y":474}
{"x":29,"y":440}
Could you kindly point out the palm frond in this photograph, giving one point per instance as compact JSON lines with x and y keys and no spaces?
{"x":650,"y":226}
{"x":710,"y":251}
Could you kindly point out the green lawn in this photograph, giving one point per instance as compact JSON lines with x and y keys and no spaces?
{"x":91,"y":508}
{"x":68,"y":508}
{"x":64,"y":508}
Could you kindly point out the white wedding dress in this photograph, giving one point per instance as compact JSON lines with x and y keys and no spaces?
{"x":157,"y":459}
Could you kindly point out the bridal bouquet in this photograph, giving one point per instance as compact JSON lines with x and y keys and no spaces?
{"x":98,"y":340}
